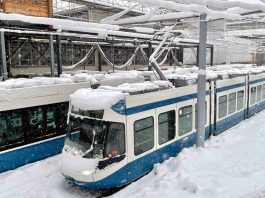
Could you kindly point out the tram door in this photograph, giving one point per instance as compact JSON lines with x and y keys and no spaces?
{"x":213,"y":108}
{"x":141,"y":138}
{"x":166,"y":130}
{"x":247,"y":97}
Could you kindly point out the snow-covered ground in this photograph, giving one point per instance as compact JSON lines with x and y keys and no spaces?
{"x":232,"y":165}
{"x":42,"y":179}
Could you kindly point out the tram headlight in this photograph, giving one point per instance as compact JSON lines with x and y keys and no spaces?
{"x":86,"y":172}
{"x":74,"y":151}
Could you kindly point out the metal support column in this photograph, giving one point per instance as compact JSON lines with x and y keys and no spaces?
{"x":197,"y":57}
{"x":97,"y":60}
{"x":59,"y":55}
{"x":201,"y":87}
{"x":4,"y":73}
{"x":51,"y":55}
{"x":8,"y":57}
{"x":212,"y":51}
{"x":180,"y":54}
{"x":112,"y":54}
{"x":150,"y":51}
{"x":170,"y":58}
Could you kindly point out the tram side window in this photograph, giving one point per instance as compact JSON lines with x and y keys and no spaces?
{"x":222,"y":106}
{"x":3,"y":129}
{"x":263,"y":92}
{"x":143,"y":135}
{"x":240,"y":100}
{"x":185,"y":120}
{"x":36,"y":122}
{"x":62,"y":125}
{"x":259,"y":92}
{"x":51,"y":118}
{"x":11,"y":130}
{"x":166,"y":126}
{"x":253,"y":95}
{"x":116,"y":140}
{"x":232,"y":103}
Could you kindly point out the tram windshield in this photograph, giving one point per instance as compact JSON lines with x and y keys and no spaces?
{"x":91,"y":138}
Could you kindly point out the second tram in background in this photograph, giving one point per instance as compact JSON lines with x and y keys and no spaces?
{"x":33,"y":121}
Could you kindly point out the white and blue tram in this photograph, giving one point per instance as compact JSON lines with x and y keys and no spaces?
{"x":111,"y":146}
{"x":33,"y":123}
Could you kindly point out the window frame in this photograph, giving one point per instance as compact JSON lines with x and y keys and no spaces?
{"x":192,"y":119}
{"x":19,"y":141}
{"x":220,"y":117}
{"x":243,"y":97}
{"x":173,"y":111}
{"x":255,"y":96}
{"x":230,"y":101}
{"x":107,"y":140}
{"x":153,"y":133}
{"x":263,"y":92}
{"x":259,"y":94}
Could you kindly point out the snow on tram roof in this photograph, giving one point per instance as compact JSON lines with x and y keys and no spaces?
{"x":182,"y":73}
{"x":106,"y":96}
{"x":67,"y":79}
{"x":95,"y":99}
{"x":34,"y":82}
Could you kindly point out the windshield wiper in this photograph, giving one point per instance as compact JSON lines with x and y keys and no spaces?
{"x":91,"y":147}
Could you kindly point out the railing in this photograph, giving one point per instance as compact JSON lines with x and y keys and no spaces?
{"x":63,"y":5}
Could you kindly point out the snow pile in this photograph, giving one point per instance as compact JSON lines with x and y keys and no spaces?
{"x":125,"y":74}
{"x":83,"y":77}
{"x":222,"y":74}
{"x":98,"y":99}
{"x":115,"y":79}
{"x":20,"y":83}
{"x":139,"y":87}
{"x":99,"y":76}
{"x":63,"y":81}
{"x":231,"y":165}
{"x":34,"y":82}
{"x":56,"y":22}
{"x":42,"y":81}
{"x":41,"y":179}
{"x":162,"y":83}
{"x":190,"y":74}
{"x":47,"y":81}
{"x":215,"y":9}
{"x":77,"y":164}
{"x":144,"y":30}
{"x":66,"y":76}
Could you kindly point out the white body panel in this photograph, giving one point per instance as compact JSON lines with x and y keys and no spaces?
{"x":35,"y":96}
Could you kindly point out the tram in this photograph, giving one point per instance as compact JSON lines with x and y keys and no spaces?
{"x":33,"y":120}
{"x":116,"y":137}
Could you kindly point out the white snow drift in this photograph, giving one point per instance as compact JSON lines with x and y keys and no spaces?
{"x":231,"y":165}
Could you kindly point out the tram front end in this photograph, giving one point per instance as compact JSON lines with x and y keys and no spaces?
{"x":94,"y":154}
